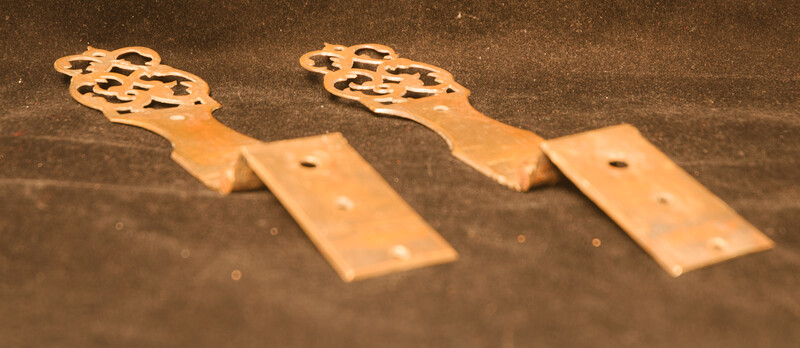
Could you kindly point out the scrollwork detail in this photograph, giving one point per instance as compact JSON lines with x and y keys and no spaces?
{"x":376,"y":76}
{"x":115,"y":83}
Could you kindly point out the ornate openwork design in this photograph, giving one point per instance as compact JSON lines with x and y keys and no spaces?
{"x":131,"y":86}
{"x":374,"y":75}
{"x":130,"y":79}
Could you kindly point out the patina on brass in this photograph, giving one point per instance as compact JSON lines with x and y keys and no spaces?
{"x":131,"y":86}
{"x":375,"y":76}
{"x":672,"y":216}
{"x":362,"y":226}
{"x":677,"y":220}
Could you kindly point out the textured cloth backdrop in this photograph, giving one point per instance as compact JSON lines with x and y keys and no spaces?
{"x":105,"y":241}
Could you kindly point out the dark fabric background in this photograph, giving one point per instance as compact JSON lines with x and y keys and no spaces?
{"x":94,"y":216}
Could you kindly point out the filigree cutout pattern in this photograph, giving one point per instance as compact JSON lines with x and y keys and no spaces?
{"x":129,"y":80}
{"x":130,"y":86}
{"x":374,"y":75}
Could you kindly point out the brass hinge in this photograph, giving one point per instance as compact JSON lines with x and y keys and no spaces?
{"x":359,"y":223}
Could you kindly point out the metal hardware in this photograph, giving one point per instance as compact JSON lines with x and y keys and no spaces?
{"x":672,"y":216}
{"x":362,"y":226}
{"x":131,"y":86}
{"x":375,"y":76}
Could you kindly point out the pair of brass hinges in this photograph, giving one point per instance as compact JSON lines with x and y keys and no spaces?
{"x":360,"y":224}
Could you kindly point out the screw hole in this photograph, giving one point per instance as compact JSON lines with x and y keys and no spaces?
{"x":618,"y":164}
{"x":309,"y":162}
{"x":664,"y":198}
{"x":718,"y":243}
{"x":177,"y":117}
{"x":440,"y":108}
{"x":400,"y":252}
{"x":344,"y":203}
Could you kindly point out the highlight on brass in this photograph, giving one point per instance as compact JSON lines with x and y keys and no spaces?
{"x":130,"y":79}
{"x":374,"y":75}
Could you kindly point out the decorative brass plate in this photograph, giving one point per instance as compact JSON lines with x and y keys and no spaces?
{"x":672,"y":216}
{"x":362,"y":226}
{"x":374,"y":75}
{"x":131,"y":86}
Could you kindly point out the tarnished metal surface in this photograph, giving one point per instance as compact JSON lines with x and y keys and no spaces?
{"x":672,"y":216}
{"x":131,"y":86}
{"x":387,"y":84}
{"x":362,"y":226}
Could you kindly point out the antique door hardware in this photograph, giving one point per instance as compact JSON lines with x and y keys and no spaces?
{"x":359,"y":223}
{"x":387,"y":84}
{"x":672,"y":216}
{"x":678,"y":221}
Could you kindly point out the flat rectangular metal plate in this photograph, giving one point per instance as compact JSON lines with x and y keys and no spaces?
{"x":358,"y":222}
{"x":672,"y":216}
